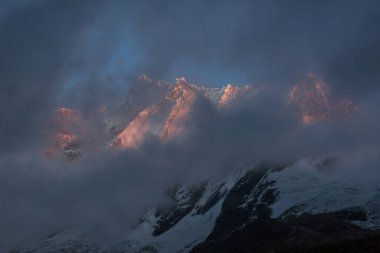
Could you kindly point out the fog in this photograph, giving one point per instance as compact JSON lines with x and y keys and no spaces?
{"x":86,"y":54}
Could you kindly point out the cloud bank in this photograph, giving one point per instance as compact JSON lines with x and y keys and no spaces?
{"x":86,"y":54}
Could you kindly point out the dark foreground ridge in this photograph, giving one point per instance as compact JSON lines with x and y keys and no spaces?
{"x":318,"y":233}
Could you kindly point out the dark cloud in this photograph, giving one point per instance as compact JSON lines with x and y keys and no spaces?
{"x":353,"y":68}
{"x":37,"y":43}
{"x":271,"y":41}
{"x":84,"y":54}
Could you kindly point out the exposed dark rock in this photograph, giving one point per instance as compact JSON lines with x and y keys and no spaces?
{"x":352,"y":213}
{"x":212,"y":200}
{"x":148,"y":249}
{"x":329,"y":232}
{"x":233,"y":214}
{"x":72,"y":150}
{"x":248,"y":199}
{"x":183,"y":202}
{"x":327,"y":163}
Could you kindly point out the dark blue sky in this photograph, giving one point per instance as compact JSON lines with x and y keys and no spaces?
{"x":209,"y":42}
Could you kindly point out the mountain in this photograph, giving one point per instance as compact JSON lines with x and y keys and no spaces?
{"x":158,"y":108}
{"x":268,"y":208}
{"x":151,"y":107}
{"x":301,"y":206}
{"x":167,"y":116}
{"x":314,"y":103}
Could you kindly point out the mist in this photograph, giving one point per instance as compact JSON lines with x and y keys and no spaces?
{"x":87,"y":54}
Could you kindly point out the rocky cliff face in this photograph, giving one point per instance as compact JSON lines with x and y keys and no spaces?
{"x":314,"y":102}
{"x":158,"y":108}
{"x":264,"y":210}
{"x":294,"y":207}
{"x":151,"y":107}
{"x":168,"y":113}
{"x":326,"y":232}
{"x":260,"y":209}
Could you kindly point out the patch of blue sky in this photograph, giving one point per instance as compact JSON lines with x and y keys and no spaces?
{"x":211,"y":74}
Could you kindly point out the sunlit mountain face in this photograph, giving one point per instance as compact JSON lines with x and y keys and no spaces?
{"x":151,"y":108}
{"x":69,"y":123}
{"x":160,"y":109}
{"x":168,"y":117}
{"x":312,"y":99}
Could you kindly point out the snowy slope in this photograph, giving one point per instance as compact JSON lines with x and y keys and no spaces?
{"x":70,"y":240}
{"x":191,"y":229}
{"x":304,"y":188}
{"x":217,"y":208}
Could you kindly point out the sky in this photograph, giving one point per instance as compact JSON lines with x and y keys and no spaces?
{"x":86,"y":54}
